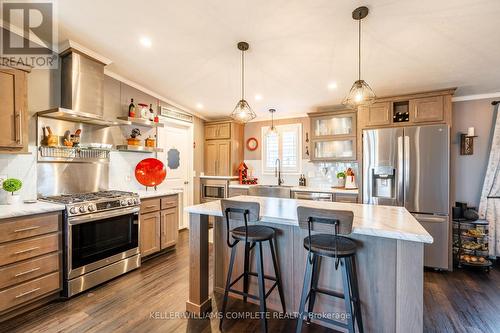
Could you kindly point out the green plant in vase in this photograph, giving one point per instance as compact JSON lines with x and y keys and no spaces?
{"x":341,"y":179}
{"x":12,"y":185}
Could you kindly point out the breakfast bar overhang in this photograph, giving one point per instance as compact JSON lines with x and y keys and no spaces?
{"x":389,"y":261}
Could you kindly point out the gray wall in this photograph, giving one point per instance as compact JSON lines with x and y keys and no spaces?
{"x":467,"y":172}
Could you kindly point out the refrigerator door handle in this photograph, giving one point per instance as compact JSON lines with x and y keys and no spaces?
{"x":400,"y":173}
{"x":406,"y":169}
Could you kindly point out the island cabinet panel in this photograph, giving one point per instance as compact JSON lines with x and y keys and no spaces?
{"x":159,"y":219}
{"x":30,"y":262}
{"x":388,"y":279}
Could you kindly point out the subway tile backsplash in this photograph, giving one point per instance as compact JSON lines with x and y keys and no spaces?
{"x":322,"y":174}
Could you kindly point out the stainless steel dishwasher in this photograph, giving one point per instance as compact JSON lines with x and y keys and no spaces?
{"x":316,"y":196}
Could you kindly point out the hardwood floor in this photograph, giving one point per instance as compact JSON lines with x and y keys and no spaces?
{"x":462,"y":301}
{"x":152,"y":299}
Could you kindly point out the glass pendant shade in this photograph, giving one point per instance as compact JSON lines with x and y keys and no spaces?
{"x":243,"y":112}
{"x":272,"y":131}
{"x":360,"y":94}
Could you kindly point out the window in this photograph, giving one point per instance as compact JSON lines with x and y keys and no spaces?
{"x":286,"y":146}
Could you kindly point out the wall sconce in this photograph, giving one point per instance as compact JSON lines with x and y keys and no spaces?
{"x":467,"y":142}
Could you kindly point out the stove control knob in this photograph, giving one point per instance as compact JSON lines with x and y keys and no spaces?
{"x":130,"y":201}
{"x":136,"y":201}
{"x":123,"y":202}
{"x":83,"y":209}
{"x":91,"y":208}
{"x":73,"y":210}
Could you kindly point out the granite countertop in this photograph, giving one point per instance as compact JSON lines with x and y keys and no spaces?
{"x":157,"y":193}
{"x":379,"y":221}
{"x":306,"y":189}
{"x":24,"y":209}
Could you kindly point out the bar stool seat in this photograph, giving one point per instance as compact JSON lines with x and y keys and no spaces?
{"x":330,"y":245}
{"x":256,"y":233}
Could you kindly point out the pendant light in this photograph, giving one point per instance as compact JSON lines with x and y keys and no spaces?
{"x":272,"y":131}
{"x":243,"y":112}
{"x":360,"y":93}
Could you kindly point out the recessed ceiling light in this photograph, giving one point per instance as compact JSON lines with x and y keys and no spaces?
{"x":332,"y":85}
{"x":146,"y":41}
{"x":258,"y":97}
{"x":199,"y":106}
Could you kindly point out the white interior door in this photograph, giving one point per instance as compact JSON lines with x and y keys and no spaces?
{"x":176,"y":139}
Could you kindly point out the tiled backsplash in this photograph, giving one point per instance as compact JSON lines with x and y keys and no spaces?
{"x":22,"y":167}
{"x":318,"y":174}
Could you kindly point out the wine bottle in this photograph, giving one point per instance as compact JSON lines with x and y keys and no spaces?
{"x":131,"y":109}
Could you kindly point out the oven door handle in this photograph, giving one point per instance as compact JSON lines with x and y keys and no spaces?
{"x":102,"y":215}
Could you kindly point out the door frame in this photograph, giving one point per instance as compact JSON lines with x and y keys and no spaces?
{"x":190,"y":127}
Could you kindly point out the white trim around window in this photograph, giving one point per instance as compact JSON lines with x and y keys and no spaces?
{"x":287,"y":146}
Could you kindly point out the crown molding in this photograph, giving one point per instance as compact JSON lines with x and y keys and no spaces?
{"x":475,"y":97}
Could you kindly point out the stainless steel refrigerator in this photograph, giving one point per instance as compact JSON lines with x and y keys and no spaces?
{"x":410,"y":167}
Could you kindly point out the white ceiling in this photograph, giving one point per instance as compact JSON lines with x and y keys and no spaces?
{"x":296,"y":48}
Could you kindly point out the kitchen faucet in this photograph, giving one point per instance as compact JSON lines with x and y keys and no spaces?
{"x":277,"y":171}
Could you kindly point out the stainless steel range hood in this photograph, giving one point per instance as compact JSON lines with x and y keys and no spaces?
{"x":82,"y":87}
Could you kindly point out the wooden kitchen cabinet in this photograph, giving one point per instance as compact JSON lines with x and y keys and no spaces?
{"x":13,"y":111}
{"x":427,"y":109}
{"x":30,"y":262}
{"x":223,"y":148}
{"x":218,"y":131}
{"x":169,"y":227}
{"x":377,"y":114}
{"x":159,"y":224}
{"x":150,"y":233}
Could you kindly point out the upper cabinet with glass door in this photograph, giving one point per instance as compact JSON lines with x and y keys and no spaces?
{"x":333,"y":135}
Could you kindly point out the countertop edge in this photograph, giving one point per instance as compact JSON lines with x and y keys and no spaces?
{"x":27,"y":209}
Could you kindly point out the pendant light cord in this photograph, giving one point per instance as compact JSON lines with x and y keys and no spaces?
{"x":359,"y":48}
{"x":242,"y":75}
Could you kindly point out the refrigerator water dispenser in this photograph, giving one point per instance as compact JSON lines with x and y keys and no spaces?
{"x":384,"y":182}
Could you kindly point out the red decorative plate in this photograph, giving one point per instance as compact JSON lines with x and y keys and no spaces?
{"x":150,"y":172}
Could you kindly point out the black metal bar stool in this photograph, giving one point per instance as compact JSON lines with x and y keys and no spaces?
{"x":251,"y":235}
{"x":328,"y":243}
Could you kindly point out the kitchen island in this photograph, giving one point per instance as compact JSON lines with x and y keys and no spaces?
{"x":389,"y":261}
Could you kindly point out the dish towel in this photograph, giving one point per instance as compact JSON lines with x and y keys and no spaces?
{"x":489,"y":205}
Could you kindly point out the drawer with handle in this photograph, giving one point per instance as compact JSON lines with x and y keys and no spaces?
{"x":26,"y":249}
{"x":27,"y":270}
{"x":29,"y":226}
{"x":349,"y":198}
{"x":169,"y":202}
{"x":29,"y":290}
{"x":150,"y":205}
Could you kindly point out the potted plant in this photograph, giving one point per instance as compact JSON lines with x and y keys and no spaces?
{"x":341,"y":179}
{"x":12,"y":185}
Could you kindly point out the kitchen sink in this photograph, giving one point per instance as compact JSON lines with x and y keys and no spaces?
{"x":275,"y":191}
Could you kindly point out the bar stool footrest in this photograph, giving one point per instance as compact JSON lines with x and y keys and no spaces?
{"x":329,"y":292}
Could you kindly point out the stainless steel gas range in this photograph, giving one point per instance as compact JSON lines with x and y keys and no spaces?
{"x":101,"y":237}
